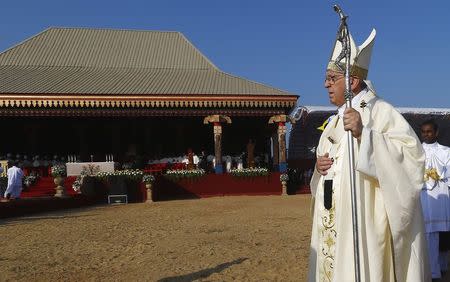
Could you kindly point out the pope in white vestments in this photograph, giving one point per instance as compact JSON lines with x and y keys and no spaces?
{"x":435,"y":195}
{"x":389,"y":162}
{"x":14,"y":188}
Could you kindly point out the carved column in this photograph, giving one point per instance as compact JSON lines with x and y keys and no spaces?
{"x":217,"y":121}
{"x":275,"y":151}
{"x":281,"y":120}
{"x":218,"y":147}
{"x":282,"y":146}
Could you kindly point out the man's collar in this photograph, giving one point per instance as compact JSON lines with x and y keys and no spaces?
{"x":431,"y":145}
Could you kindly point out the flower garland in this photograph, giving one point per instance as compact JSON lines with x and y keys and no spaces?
{"x":133,"y":174}
{"x":249,"y":172}
{"x":180,"y":174}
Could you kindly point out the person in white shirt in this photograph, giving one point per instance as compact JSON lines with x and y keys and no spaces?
{"x":15,"y":176}
{"x":435,"y":195}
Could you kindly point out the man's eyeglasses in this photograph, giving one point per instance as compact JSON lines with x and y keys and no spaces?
{"x":333,"y":78}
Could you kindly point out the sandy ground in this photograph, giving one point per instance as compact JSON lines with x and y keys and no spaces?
{"x":261,"y":238}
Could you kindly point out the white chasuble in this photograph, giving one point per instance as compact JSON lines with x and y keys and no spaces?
{"x":389,"y":176}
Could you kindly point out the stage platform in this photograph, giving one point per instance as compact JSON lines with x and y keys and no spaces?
{"x":40,"y":197}
{"x":214,"y":185}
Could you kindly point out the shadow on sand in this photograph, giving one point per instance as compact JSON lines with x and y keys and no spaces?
{"x":202,"y":273}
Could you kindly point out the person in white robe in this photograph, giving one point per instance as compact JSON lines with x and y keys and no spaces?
{"x":435,"y":196}
{"x":196,"y":159}
{"x":228,"y":161}
{"x":14,"y":187}
{"x":240,"y":161}
{"x":389,"y":167}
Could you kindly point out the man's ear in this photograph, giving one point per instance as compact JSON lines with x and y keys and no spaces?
{"x":354,"y":83}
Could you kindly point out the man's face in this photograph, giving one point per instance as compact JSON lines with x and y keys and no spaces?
{"x":429,"y":135}
{"x":335,"y":84}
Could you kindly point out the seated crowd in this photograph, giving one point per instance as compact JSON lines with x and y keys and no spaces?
{"x":40,"y":165}
{"x":203,"y":161}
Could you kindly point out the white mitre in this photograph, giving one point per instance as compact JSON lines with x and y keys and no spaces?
{"x":359,"y":57}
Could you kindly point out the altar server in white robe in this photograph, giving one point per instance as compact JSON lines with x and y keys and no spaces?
{"x":14,"y":188}
{"x":435,"y":195}
{"x":389,"y":164}
{"x":228,"y":161}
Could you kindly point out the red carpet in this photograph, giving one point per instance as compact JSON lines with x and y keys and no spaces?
{"x":45,"y":187}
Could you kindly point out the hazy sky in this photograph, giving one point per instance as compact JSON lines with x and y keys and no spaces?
{"x":285,"y":44}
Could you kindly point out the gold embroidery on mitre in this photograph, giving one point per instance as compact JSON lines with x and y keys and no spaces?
{"x":354,"y":69}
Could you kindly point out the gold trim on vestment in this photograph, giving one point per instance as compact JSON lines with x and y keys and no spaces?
{"x":328,"y":243}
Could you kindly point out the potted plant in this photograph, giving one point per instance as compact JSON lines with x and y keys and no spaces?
{"x":148,"y":180}
{"x":284,"y":178}
{"x":29,"y":180}
{"x":59,"y":172}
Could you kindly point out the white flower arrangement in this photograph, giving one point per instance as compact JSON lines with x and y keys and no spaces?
{"x":249,"y":172}
{"x":284,"y":177}
{"x":76,"y":185}
{"x":148,"y":178}
{"x":58,"y":170}
{"x":134,"y":174}
{"x":179,"y":174}
{"x":29,"y":180}
{"x":86,"y":170}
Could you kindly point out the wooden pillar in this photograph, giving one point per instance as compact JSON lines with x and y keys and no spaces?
{"x":218,"y":147}
{"x":281,"y":130}
{"x":282,"y":146}
{"x":217,"y":121}
{"x":275,"y":151}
